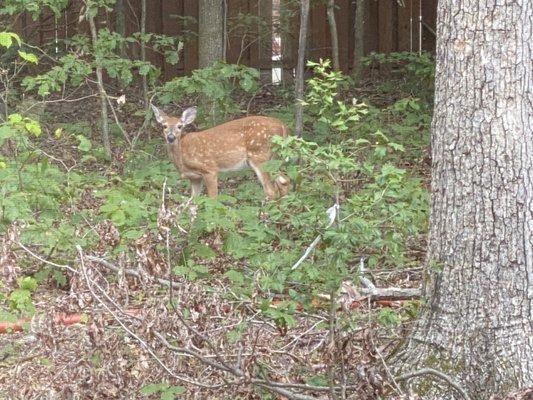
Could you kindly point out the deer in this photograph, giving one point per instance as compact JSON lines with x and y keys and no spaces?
{"x":200,"y":156}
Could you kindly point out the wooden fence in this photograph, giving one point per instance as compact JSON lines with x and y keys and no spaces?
{"x":388,"y":27}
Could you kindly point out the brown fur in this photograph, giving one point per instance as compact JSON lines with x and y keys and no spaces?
{"x":200,"y":156}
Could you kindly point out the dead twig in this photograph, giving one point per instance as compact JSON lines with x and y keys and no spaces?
{"x":53,"y":264}
{"x":91,"y":284}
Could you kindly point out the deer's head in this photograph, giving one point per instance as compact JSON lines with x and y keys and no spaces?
{"x":172,"y":126}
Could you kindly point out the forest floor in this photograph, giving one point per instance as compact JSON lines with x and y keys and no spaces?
{"x":136,"y":294}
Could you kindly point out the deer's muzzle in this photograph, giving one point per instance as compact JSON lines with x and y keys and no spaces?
{"x":171,"y":138}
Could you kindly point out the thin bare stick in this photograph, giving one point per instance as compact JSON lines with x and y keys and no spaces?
{"x":53,"y":264}
{"x":117,"y":121}
{"x":308,"y":251}
{"x":387,"y":369}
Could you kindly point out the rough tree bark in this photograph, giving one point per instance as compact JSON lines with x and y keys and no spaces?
{"x":359,"y":44}
{"x":210,"y":32}
{"x":477,"y":326}
{"x":333,"y":33}
{"x":300,"y":68}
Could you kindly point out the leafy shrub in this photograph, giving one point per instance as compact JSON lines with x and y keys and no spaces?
{"x":416,"y":69}
{"x":219,"y":87}
{"x":323,"y":105}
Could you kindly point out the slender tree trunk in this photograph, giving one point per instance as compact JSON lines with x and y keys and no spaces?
{"x":300,"y":69}
{"x":286,"y":19}
{"x":359,"y":43}
{"x":333,"y":33}
{"x":120,"y":24}
{"x":477,"y":326}
{"x":143,"y":52}
{"x":210,"y":32}
{"x":101,"y":89}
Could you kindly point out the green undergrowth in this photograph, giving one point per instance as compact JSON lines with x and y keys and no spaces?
{"x":365,"y":159}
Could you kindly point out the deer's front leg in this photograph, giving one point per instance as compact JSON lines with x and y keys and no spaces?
{"x":196,"y":186}
{"x":211,"y":182}
{"x":264,"y":178}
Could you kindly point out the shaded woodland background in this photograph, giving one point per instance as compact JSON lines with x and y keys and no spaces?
{"x":388,"y":27}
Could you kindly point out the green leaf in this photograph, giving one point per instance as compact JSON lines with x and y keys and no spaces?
{"x":15,"y":118}
{"x":6,"y":132}
{"x":172,"y":392}
{"x":32,"y":58}
{"x":33,"y":127}
{"x":59,"y":277}
{"x":396,"y":146}
{"x":28,"y":283}
{"x":271,"y":166}
{"x":388,"y":318}
{"x":204,"y":251}
{"x":7,"y":38}
{"x":380,"y":151}
{"x":235,"y":276}
{"x":153,"y":388}
{"x":118,"y":217}
{"x":144,"y":69}
{"x":172,"y":57}
{"x":85,"y":144}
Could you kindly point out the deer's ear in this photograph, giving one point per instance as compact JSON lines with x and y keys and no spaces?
{"x":159,"y":115}
{"x":188,"y":116}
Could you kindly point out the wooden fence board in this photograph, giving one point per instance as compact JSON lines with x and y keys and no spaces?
{"x":343,"y":18}
{"x":388,"y":23}
{"x":372,"y":29}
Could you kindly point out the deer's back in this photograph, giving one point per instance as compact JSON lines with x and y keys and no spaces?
{"x":228,"y":145}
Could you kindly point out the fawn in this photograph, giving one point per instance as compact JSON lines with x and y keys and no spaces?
{"x":234,"y":145}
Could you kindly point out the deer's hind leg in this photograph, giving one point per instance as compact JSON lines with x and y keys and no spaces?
{"x":263,"y":177}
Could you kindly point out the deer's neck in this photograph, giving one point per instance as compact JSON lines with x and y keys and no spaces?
{"x":174,"y":151}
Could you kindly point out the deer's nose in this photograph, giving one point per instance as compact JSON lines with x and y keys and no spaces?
{"x":171,"y":138}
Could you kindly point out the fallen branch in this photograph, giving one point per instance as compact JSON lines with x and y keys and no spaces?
{"x":392,"y":293}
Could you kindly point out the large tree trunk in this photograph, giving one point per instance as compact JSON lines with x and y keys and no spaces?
{"x":477,"y":326}
{"x":210,"y":32}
